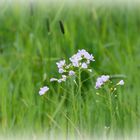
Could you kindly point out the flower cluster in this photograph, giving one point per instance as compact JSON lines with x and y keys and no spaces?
{"x":101,"y":80}
{"x":61,"y":66}
{"x":79,"y":61}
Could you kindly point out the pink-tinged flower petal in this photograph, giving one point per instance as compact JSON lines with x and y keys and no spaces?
{"x":71,"y":73}
{"x":84,"y":66}
{"x":53,"y":79}
{"x":101,"y":80}
{"x":61,"y":63}
{"x":43,"y":90}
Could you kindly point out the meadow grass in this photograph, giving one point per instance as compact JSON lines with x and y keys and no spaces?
{"x":28,"y":56}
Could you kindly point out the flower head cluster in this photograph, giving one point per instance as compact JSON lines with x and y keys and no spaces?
{"x":101,"y":80}
{"x":61,"y":66}
{"x":81,"y":59}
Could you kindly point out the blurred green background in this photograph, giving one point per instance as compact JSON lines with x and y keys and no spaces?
{"x":31,"y":43}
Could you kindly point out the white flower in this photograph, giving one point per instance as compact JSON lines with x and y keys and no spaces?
{"x":43,"y":90}
{"x":121,"y":82}
{"x":84,"y":66}
{"x":71,"y":73}
{"x":59,"y":80}
{"x":101,"y":80}
{"x":53,"y":79}
{"x":86,"y":55}
{"x":105,"y":78}
{"x":99,"y":83}
{"x":61,"y":70}
{"x":64,"y":77}
{"x":75,"y":60}
{"x":61,"y":63}
{"x":81,"y":59}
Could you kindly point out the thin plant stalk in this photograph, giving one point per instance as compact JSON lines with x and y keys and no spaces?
{"x":80,"y":97}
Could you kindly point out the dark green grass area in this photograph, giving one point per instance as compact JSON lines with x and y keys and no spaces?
{"x":31,"y":42}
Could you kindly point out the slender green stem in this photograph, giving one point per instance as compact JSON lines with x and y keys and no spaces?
{"x":80,"y":98}
{"x":79,"y":82}
{"x":67,"y":113}
{"x":110,"y":108}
